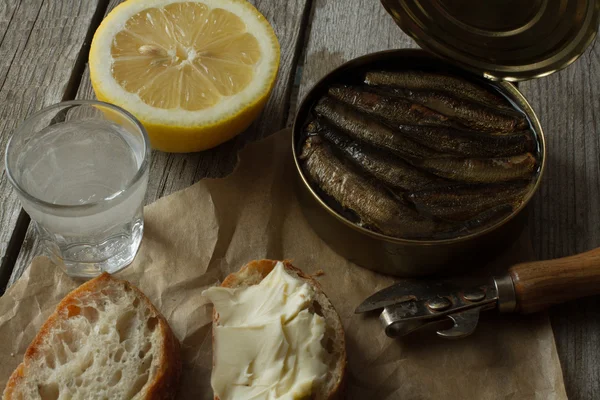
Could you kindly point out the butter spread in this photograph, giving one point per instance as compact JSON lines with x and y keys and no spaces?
{"x":267,"y":344}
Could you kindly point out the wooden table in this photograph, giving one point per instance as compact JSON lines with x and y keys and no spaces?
{"x":43,"y":60}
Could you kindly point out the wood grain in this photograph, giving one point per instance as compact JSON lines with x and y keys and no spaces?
{"x":342,"y":30}
{"x":40,"y":47}
{"x":541,"y":284}
{"x":172,"y":172}
{"x":566,"y":211}
{"x":8,"y":19}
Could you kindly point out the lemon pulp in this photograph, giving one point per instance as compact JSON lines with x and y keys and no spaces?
{"x":195,"y":73}
{"x":172,"y":61}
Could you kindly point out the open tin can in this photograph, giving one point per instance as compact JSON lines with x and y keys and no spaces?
{"x":410,"y":258}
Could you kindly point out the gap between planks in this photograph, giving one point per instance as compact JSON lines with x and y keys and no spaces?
{"x":46,"y":63}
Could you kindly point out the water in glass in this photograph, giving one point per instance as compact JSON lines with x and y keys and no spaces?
{"x":78,"y":183}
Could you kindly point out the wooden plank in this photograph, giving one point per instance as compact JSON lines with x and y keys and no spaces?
{"x":172,"y":172}
{"x":8,"y":10}
{"x":342,"y":30}
{"x":566,"y":212}
{"x":40,"y":45}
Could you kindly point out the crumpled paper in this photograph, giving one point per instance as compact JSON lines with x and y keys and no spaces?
{"x":195,"y":237}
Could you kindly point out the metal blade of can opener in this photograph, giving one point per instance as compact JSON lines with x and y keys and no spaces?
{"x":527,"y":287}
{"x":413,"y":304}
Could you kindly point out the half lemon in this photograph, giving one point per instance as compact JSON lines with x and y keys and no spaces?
{"x":195,"y":73}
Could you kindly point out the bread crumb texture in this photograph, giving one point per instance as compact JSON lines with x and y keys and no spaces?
{"x":101,"y":344}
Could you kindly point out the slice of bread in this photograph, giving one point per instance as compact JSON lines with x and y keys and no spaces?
{"x":105,"y":340}
{"x":333,"y":342}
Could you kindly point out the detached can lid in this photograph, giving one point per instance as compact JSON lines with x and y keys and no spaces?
{"x":510,"y":40}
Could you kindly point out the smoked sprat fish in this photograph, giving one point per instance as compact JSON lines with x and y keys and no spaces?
{"x":375,"y":207}
{"x":468,"y":143}
{"x":482,"y":170}
{"x":461,"y":202}
{"x":368,"y":130}
{"x":419,"y":80}
{"x":391,"y":171}
{"x":487,"y":218}
{"x":392,"y":109}
{"x":468,"y":113}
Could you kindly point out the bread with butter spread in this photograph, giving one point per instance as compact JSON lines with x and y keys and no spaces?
{"x":105,"y":340}
{"x":275,"y":335}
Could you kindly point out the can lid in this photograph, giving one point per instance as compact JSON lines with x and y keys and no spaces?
{"x":509,"y":40}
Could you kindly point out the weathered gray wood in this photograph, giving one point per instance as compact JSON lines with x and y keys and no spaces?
{"x":566,"y":212}
{"x":40,"y":45}
{"x":342,"y":30}
{"x":172,"y":172}
{"x":8,"y":13}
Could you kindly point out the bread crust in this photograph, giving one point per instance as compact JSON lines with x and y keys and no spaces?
{"x":262,"y":268}
{"x":164,"y":386}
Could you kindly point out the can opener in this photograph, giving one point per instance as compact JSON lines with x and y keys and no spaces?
{"x":412,"y":304}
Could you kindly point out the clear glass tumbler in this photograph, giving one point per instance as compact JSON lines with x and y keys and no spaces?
{"x":80,"y":169}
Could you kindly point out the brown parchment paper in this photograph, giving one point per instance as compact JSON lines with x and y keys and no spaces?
{"x":195,"y":237}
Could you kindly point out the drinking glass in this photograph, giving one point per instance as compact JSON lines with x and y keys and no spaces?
{"x":80,"y":169}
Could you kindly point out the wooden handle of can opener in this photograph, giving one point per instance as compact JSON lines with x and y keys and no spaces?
{"x":540,"y":284}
